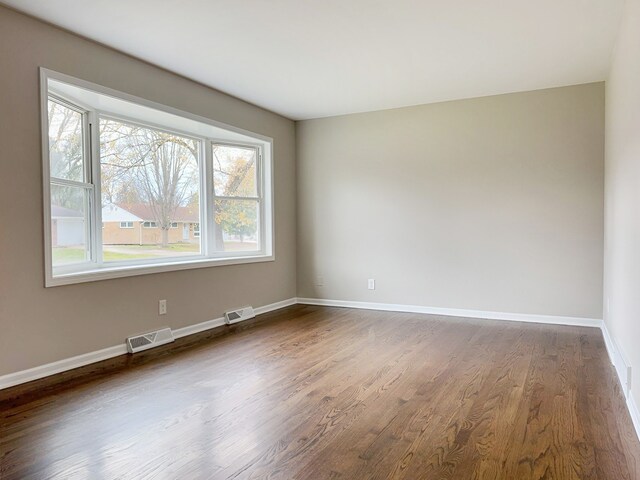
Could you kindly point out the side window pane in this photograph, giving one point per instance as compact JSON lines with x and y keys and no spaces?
{"x":237,"y":225}
{"x":69,"y":221}
{"x":65,"y":143}
{"x":151,"y":178}
{"x":234,"y":171}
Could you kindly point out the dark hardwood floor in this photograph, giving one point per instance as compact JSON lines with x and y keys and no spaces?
{"x":318,"y":393}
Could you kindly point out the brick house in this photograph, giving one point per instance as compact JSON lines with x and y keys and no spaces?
{"x":135,"y":224}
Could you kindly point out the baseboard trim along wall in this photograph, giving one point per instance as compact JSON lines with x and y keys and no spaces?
{"x":615,"y":354}
{"x":24,"y":376}
{"x":217,"y":322}
{"x":621,"y":366}
{"x":632,"y":405}
{"x":42,"y":371}
{"x":456,"y":312}
{"x":60,"y":366}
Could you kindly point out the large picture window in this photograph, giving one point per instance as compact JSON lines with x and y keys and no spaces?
{"x":153,"y":175}
{"x":169,"y":190}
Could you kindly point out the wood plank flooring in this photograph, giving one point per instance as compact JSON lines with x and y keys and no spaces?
{"x":330,"y":393}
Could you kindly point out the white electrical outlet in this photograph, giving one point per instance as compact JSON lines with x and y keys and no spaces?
{"x":162,"y":307}
{"x":371,"y":284}
{"x":319,"y":281}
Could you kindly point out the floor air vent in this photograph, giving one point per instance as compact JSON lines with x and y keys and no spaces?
{"x":149,"y":340}
{"x":235,"y":316}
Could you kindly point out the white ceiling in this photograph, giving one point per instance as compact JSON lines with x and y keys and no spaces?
{"x":307,"y":59}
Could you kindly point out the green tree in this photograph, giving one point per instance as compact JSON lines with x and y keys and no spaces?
{"x":237,"y":217}
{"x":235,"y":176}
{"x":66,"y":160}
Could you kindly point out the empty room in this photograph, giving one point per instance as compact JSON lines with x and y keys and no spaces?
{"x":298,"y":240}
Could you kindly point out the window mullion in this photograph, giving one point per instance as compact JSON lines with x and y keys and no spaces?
{"x":227,"y":197}
{"x":261,"y":211}
{"x":259,"y":179}
{"x":70,"y":183}
{"x":94,"y":178}
{"x":208,"y":233}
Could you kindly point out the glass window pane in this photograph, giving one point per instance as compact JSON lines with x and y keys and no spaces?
{"x":66,"y":151}
{"x":149,"y":178}
{"x":69,"y":221}
{"x":237,"y":225}
{"x":234,"y":171}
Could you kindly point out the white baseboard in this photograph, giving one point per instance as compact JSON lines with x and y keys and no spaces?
{"x":618,"y":360}
{"x":198,"y":327}
{"x":275,"y":306}
{"x":621,"y":365}
{"x":218,"y":322}
{"x":615,"y":355}
{"x":608,"y":342}
{"x":42,"y":371}
{"x":24,"y":376}
{"x":632,"y":405}
{"x":457,"y":312}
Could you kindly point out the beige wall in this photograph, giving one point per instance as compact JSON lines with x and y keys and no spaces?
{"x":492,"y":204}
{"x":622,"y":193}
{"x":39,"y":325}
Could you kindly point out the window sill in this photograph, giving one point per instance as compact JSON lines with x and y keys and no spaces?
{"x":110,"y":272}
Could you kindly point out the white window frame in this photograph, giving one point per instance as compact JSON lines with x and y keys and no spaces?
{"x":95,"y":269}
{"x":86,"y":183}
{"x":149,"y":225}
{"x":127,"y":225}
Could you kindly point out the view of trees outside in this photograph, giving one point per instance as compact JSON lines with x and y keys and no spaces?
{"x":236,"y":213}
{"x":65,"y":143}
{"x":150,"y":190}
{"x":154,"y":175}
{"x":69,"y":203}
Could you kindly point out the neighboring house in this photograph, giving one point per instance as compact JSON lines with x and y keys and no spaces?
{"x":135,"y":224}
{"x":120,"y":227}
{"x":67,"y":227}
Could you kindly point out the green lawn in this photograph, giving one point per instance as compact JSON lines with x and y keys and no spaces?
{"x":174,"y":247}
{"x":67,"y":255}
{"x":62,"y":255}
{"x":115,"y":253}
{"x":117,"y":256}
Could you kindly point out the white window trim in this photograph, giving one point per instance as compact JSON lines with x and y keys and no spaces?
{"x":80,"y":273}
{"x":126,"y":225}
